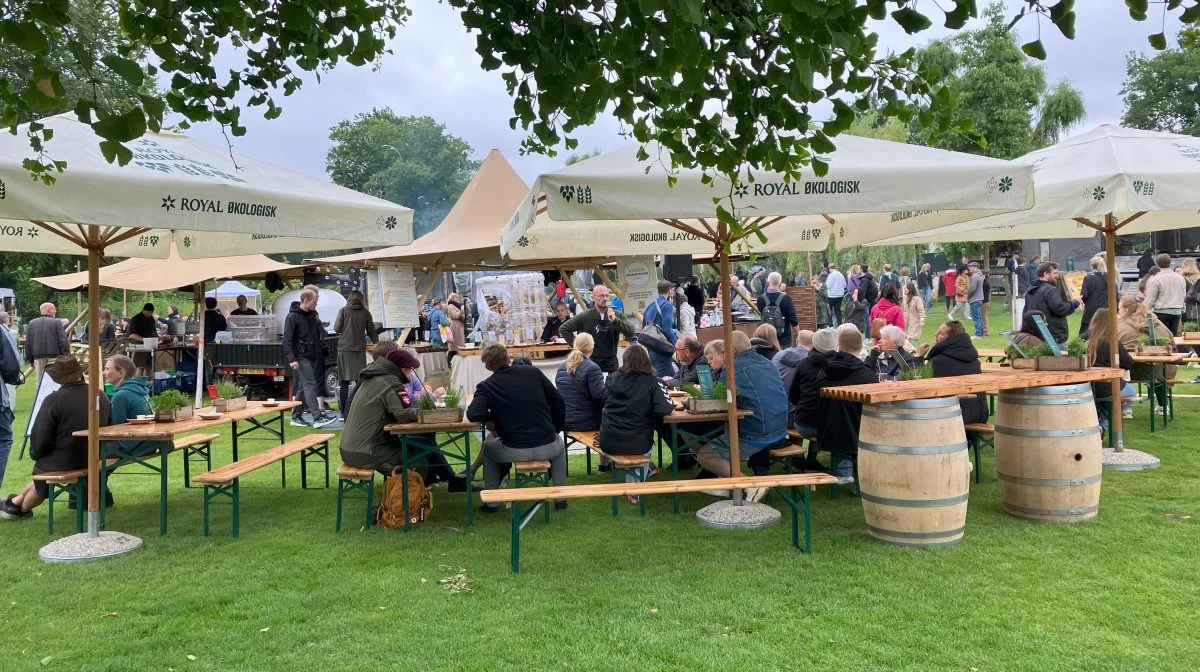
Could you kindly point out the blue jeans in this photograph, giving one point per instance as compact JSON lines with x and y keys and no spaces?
{"x":6,"y":439}
{"x":977,"y":316}
{"x":927,"y":296}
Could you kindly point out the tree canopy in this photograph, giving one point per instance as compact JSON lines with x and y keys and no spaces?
{"x":1160,"y":91}
{"x":408,"y":160}
{"x":1003,"y":96}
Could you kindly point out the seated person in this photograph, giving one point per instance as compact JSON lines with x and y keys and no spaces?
{"x":634,"y":400}
{"x":689,"y":354}
{"x":51,"y":444}
{"x":562,"y":313}
{"x":803,"y":398}
{"x":953,"y":354}
{"x":788,"y":359}
{"x":380,"y":398}
{"x":839,"y":420}
{"x":130,"y":398}
{"x":766,"y":341}
{"x":1099,"y":355}
{"x":1029,"y":336}
{"x":581,"y":385}
{"x":1134,"y":321}
{"x":889,"y":357}
{"x":528,"y":415}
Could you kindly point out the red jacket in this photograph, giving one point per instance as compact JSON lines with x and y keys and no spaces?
{"x":948,"y":282}
{"x":888,"y":311}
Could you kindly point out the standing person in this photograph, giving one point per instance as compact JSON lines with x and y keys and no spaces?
{"x":777,"y":310}
{"x":45,"y":339}
{"x":141,"y":327}
{"x":1012,"y":266}
{"x":1094,"y":293}
{"x":888,"y":306}
{"x":1031,"y":272}
{"x":1191,"y":274}
{"x":857,"y":312}
{"x":10,"y":377}
{"x":354,"y":326}
{"x":634,"y":402}
{"x":1145,"y":262}
{"x":241,"y":309}
{"x":108,"y":330}
{"x":868,"y":287}
{"x":661,"y":312}
{"x":905,"y":278}
{"x":799,"y":280}
{"x":925,"y":285}
{"x":687,"y":316}
{"x":214,"y":321}
{"x":1166,"y":293}
{"x":528,"y":414}
{"x":949,"y":282}
{"x":695,"y":295}
{"x":855,"y":277}
{"x":437,"y":322}
{"x":987,"y":300}
{"x":1045,"y":297}
{"x":52,"y":441}
{"x":821,"y":301}
{"x":887,"y":277}
{"x":914,"y":315}
{"x":835,"y":288}
{"x":839,"y":420}
{"x":458,"y":324}
{"x":304,"y":350}
{"x":975,"y":297}
{"x":606,"y":325}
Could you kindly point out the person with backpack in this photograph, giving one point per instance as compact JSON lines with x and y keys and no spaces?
{"x":777,"y":310}
{"x":888,"y":278}
{"x":868,"y":287}
{"x":658,"y":330}
{"x":381,"y":397}
{"x":888,"y":307}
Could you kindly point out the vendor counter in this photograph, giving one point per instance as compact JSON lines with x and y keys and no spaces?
{"x":708,"y":334}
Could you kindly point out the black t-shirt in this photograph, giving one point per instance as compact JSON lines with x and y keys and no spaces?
{"x":143,"y":326}
{"x":243,"y":311}
{"x":605,"y":337}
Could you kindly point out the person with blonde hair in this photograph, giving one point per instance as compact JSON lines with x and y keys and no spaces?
{"x":766,"y":341}
{"x":581,"y":383}
{"x":1094,"y":293}
{"x":1191,"y":273}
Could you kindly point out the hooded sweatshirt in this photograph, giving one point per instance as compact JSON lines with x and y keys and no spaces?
{"x":956,"y":356}
{"x":839,"y":420}
{"x":803,"y":397}
{"x":302,"y":334}
{"x":889,"y":311}
{"x":129,"y":400}
{"x":354,"y":326}
{"x":379,"y":399}
{"x":1048,"y":299}
{"x":633,"y":402}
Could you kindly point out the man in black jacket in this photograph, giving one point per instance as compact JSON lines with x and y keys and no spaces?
{"x":51,"y":443}
{"x":690,"y":354}
{"x":45,"y":339}
{"x":840,"y":419}
{"x":214,"y":321}
{"x":304,"y":350}
{"x":1145,"y":263}
{"x":1045,"y":297}
{"x":527,"y":414}
{"x":695,"y":295}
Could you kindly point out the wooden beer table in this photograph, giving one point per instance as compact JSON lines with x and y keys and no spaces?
{"x":678,"y":445}
{"x":410,"y":438}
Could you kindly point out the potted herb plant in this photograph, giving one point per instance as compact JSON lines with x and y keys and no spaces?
{"x":1191,"y":331}
{"x":1150,"y":345}
{"x":922,"y":372}
{"x":428,"y":411}
{"x":698,"y":402}
{"x":1074,"y":359}
{"x":230,"y":396}
{"x":1027,"y":359}
{"x":171,"y":405}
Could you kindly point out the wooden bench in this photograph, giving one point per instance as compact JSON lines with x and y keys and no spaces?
{"x":978,"y":434}
{"x":356,"y":479}
{"x":198,"y":446}
{"x":533,"y":472}
{"x":74,"y":482}
{"x":225,"y":480}
{"x":793,"y":482}
{"x":620,"y":465}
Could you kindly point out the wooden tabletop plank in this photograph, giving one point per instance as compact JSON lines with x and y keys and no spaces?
{"x":991,"y":353}
{"x":401,"y":428}
{"x":676,"y":417}
{"x":928,"y":388}
{"x":166,"y":431}
{"x":655,"y":487}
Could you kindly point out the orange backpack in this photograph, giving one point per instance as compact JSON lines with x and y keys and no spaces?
{"x":390,"y":512}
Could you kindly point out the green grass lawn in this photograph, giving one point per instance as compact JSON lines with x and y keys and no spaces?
{"x":597,"y":593}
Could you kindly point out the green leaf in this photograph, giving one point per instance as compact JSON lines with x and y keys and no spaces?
{"x":128,"y":70}
{"x":911,"y":20}
{"x":1034,"y":50}
{"x":1158,"y":41}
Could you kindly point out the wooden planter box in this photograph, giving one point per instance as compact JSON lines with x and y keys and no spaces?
{"x":1191,"y":335}
{"x":227,"y":405}
{"x":1027,"y":363}
{"x":694,"y":405}
{"x":439,"y":416}
{"x":1143,"y":349}
{"x":172,"y":416}
{"x":1064,"y":363}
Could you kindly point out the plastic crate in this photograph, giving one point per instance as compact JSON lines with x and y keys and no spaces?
{"x":163,"y":384}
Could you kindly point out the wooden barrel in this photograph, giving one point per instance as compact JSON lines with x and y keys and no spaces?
{"x":913,"y":471}
{"x":1048,"y":453}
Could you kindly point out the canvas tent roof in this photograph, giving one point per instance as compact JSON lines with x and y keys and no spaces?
{"x":468,"y":239}
{"x":232,"y":288}
{"x":151,"y":275}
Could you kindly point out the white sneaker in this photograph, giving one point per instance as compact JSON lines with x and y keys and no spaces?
{"x":845,"y":480}
{"x":756,"y":495}
{"x":1127,"y":414}
{"x":719,"y":494}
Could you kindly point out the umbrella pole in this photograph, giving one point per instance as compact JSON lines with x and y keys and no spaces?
{"x":200,"y":368}
{"x":95,"y":387}
{"x":735,"y":464}
{"x":1110,"y":254}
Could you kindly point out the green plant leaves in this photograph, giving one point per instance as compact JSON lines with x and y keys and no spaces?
{"x":1034,"y":49}
{"x":1158,"y":41}
{"x":911,"y":20}
{"x":128,"y":70}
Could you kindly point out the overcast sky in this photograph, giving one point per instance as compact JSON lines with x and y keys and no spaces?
{"x":435,"y":71}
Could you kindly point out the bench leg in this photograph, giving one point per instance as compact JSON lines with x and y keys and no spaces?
{"x":337,"y":525}
{"x":233,"y":491}
{"x":516,"y":538}
{"x":80,"y":493}
{"x":202,"y":451}
{"x":321,"y":452}
{"x":792,"y":499}
{"x":162,"y":494}
{"x":345,"y":486}
{"x":613,"y":471}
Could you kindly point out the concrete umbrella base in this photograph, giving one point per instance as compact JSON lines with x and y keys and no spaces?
{"x":84,"y":548}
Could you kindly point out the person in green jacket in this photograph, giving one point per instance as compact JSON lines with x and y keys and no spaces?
{"x":130,"y":398}
{"x":380,"y":398}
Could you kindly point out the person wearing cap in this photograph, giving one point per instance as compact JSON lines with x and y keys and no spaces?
{"x":803,"y":398}
{"x":975,"y":297}
{"x":381,"y":397}
{"x":51,"y":442}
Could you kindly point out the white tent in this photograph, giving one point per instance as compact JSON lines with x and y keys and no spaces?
{"x":175,"y":189}
{"x":872,"y":185}
{"x":1110,"y":179}
{"x":615,"y":204}
{"x":231,"y":288}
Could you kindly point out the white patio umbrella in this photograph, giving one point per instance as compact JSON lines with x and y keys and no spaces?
{"x":1110,"y":179}
{"x":176,"y":189}
{"x":615,"y":204}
